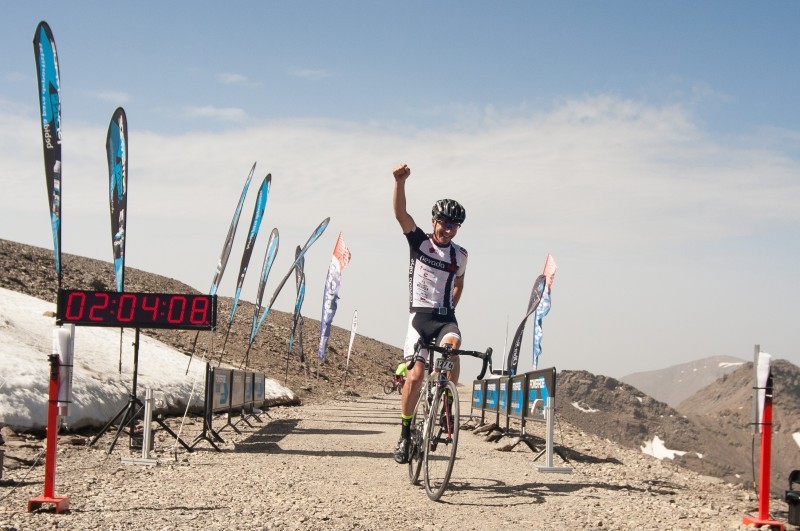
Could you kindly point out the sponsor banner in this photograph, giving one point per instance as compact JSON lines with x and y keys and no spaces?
{"x":221,"y":395}
{"x":255,"y":224}
{"x":228,"y":245}
{"x":540,"y":386}
{"x":517,"y":387}
{"x":478,"y":394}
{"x":226,"y":251}
{"x":516,"y":343}
{"x":502,"y":396}
{"x":352,"y":337}
{"x":49,"y":84}
{"x":543,"y":309}
{"x":237,"y":388}
{"x":297,"y":318}
{"x":763,"y":373}
{"x":341,"y":257}
{"x":259,"y":389}
{"x":269,"y":258}
{"x":248,"y":388}
{"x":117,"y":154}
{"x":492,"y":388}
{"x":299,"y":256}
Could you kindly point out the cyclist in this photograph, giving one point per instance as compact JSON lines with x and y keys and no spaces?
{"x":436,"y":281}
{"x":400,"y":374}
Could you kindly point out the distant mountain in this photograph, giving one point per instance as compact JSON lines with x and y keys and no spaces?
{"x":675,"y":384}
{"x":711,"y":431}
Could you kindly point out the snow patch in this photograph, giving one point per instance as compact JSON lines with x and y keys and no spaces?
{"x":639,"y":398}
{"x":580,"y":406}
{"x":99,"y":391}
{"x":725,"y":364}
{"x":657,"y":449}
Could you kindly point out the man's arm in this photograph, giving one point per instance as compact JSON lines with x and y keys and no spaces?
{"x":401,"y":173}
{"x":458,"y":287}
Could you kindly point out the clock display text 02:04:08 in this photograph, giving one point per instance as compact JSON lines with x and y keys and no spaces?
{"x":137,"y":310}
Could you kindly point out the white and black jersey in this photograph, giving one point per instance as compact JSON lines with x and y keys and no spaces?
{"x":432,"y":271}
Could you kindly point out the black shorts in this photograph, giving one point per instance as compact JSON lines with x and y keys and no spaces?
{"x":428,"y":326}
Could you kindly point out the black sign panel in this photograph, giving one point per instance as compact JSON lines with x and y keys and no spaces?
{"x":237,"y":389}
{"x":517,"y":387}
{"x":137,"y":310}
{"x":492,"y":387}
{"x":221,"y":394}
{"x":478,"y":394}
{"x":248,"y":388}
{"x":540,"y":386}
{"x":258,"y":389}
{"x":502,"y":396}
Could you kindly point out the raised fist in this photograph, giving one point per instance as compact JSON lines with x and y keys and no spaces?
{"x":401,"y":173}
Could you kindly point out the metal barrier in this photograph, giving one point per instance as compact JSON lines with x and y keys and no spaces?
{"x":527,"y":397}
{"x":230,"y":391}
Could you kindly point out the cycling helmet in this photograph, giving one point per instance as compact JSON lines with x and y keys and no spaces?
{"x":449,"y":209}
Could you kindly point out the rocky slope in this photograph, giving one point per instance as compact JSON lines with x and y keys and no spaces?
{"x":711,"y":432}
{"x":30,"y":270}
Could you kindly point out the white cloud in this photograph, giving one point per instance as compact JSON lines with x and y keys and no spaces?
{"x":113,"y":96}
{"x":311,"y":74}
{"x":610,"y":186}
{"x":16,"y":77}
{"x":222,"y":114}
{"x":234,"y":79}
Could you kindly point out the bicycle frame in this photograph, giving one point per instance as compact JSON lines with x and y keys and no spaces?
{"x":435,"y":420}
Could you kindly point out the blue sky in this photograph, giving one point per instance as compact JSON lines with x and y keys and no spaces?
{"x":653,"y":148}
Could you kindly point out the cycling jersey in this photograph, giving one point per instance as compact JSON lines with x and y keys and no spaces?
{"x":432,"y":272}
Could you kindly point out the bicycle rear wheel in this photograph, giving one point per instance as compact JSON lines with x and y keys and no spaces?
{"x":416,"y":453}
{"x":441,"y":441}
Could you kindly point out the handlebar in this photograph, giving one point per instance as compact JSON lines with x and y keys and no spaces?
{"x":447,"y":351}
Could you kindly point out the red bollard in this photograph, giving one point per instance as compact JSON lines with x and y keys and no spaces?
{"x":61,"y":502}
{"x":764,"y":471}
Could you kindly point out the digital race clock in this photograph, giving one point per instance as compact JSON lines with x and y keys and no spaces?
{"x":137,"y":310}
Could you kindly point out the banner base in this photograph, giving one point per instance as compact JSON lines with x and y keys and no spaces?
{"x":554,"y":469}
{"x":61,"y":503}
{"x":758,"y":522}
{"x":139,"y":461}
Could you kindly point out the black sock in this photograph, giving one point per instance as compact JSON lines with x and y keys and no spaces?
{"x":405,"y":431}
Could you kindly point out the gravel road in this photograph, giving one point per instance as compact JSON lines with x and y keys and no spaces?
{"x":329,"y":466}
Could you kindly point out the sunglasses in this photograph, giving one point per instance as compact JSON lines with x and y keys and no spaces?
{"x":449,"y":225}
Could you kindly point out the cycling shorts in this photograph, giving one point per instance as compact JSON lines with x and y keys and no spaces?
{"x":429,"y":326}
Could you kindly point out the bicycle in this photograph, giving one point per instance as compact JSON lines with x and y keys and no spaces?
{"x":434,"y":424}
{"x":394,"y":385}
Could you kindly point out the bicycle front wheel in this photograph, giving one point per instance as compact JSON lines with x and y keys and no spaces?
{"x":441,"y":440}
{"x":389,"y":388}
{"x":416,"y":452}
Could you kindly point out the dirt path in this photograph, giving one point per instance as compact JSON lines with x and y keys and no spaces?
{"x":329,"y":466}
